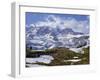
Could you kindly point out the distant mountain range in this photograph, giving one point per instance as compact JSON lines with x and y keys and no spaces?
{"x":41,"y":38}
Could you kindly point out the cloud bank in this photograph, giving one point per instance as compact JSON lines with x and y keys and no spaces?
{"x":62,"y":23}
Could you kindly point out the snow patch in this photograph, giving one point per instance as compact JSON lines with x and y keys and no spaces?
{"x":73,"y":60}
{"x":77,"y":50}
{"x":43,"y":58}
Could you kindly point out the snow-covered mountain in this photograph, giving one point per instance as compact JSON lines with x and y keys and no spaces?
{"x":41,"y":38}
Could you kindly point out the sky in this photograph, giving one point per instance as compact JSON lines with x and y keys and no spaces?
{"x":78,"y":23}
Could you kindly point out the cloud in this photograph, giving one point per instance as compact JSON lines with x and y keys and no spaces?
{"x":78,"y":26}
{"x":70,"y":22}
{"x":50,"y":21}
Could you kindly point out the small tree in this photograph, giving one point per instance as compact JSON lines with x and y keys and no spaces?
{"x":30,"y":47}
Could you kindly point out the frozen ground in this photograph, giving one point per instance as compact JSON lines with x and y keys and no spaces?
{"x":73,"y":60}
{"x":43,"y":58}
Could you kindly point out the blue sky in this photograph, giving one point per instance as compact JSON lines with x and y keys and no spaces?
{"x":74,"y":21}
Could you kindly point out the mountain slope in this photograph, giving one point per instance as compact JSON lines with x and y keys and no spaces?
{"x":47,"y":37}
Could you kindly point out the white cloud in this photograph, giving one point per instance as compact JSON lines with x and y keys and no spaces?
{"x":71,"y":22}
{"x":50,"y":21}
